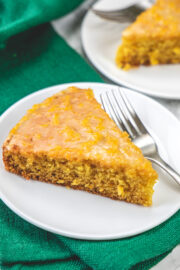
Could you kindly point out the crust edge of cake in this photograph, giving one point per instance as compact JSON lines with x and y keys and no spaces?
{"x":138,"y":201}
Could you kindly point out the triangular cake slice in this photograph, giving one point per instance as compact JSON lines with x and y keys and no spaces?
{"x":154,"y":38}
{"x":68,"y":139}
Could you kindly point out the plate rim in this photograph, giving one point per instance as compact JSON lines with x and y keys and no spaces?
{"x":71,"y":234}
{"x":110,"y":77}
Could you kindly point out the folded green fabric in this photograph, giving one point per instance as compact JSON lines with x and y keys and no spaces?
{"x":30,"y":61}
{"x":25,"y":246}
{"x":18,"y":16}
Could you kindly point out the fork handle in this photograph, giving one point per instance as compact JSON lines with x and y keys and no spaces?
{"x":166,"y":167}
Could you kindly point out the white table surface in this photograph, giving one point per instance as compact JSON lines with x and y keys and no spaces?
{"x":69,"y":28}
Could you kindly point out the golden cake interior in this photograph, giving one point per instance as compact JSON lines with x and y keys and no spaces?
{"x":154,"y":38}
{"x":68,"y":139}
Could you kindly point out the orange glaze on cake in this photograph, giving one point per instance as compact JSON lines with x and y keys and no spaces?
{"x":71,"y":128}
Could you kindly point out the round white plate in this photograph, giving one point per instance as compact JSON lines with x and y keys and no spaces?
{"x":101,"y":38}
{"x":82,"y":215}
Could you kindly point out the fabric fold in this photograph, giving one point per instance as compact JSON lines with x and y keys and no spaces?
{"x":128,"y":252}
{"x":18,"y":16}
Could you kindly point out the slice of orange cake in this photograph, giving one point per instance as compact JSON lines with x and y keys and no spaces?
{"x":69,"y":140}
{"x":154,"y":38}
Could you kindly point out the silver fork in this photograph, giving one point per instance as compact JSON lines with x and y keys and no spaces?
{"x":124,"y":15}
{"x":116,"y":104}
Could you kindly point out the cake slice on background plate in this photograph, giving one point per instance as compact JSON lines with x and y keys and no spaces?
{"x":69,"y":140}
{"x":154,"y":38}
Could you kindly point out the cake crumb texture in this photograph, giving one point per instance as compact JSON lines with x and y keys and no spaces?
{"x":154,"y":38}
{"x":69,"y":140}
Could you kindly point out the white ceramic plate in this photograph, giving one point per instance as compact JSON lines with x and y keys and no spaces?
{"x":79,"y":214}
{"x":101,"y":38}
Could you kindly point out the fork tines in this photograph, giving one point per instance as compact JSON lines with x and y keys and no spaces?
{"x":117,"y":105}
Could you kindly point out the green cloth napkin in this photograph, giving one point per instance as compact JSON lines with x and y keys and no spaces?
{"x":30,"y":61}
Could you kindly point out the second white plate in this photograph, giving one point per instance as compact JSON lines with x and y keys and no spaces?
{"x":101,"y":38}
{"x":82,"y":215}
